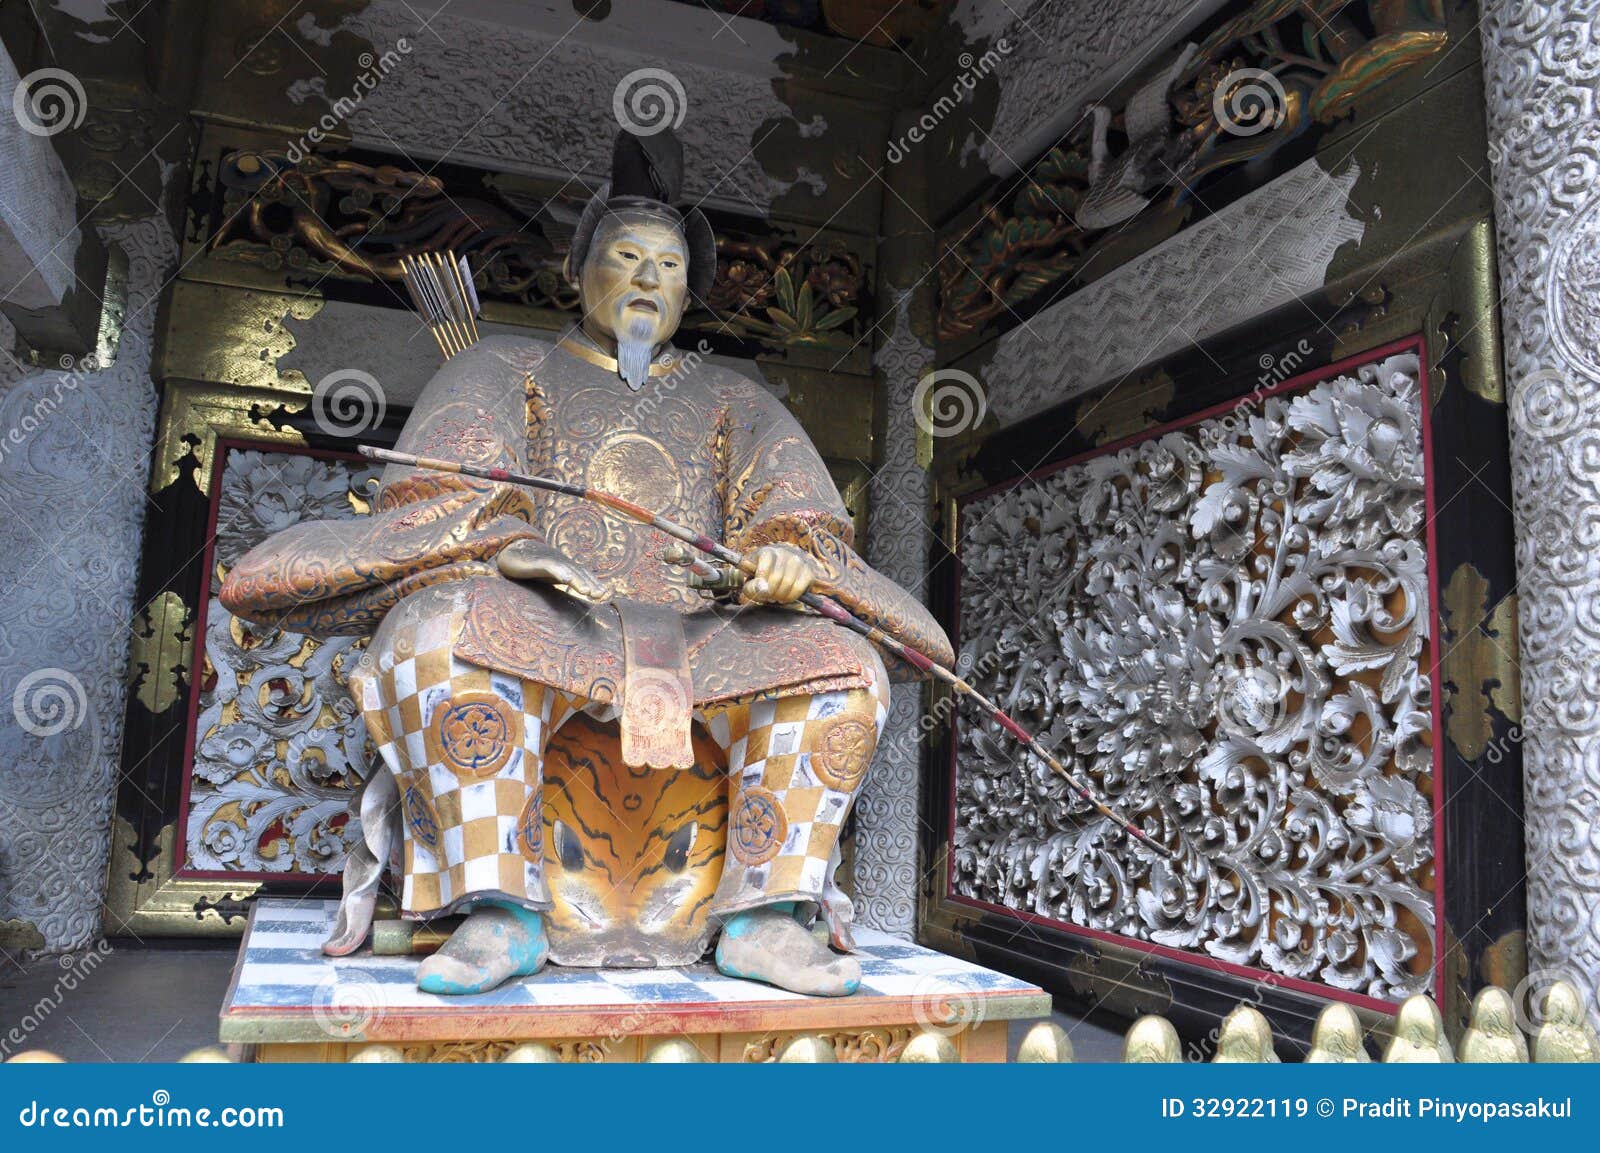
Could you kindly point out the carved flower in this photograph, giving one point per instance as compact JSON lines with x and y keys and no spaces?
{"x":321,"y":757}
{"x":265,"y":493}
{"x":1360,"y":447}
{"x":836,"y":281}
{"x":228,"y":750}
{"x":1394,"y":812}
{"x":225,"y":841}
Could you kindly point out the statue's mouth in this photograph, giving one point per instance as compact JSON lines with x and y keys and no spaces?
{"x":645,"y":305}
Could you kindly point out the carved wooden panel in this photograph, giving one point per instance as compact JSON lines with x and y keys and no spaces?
{"x":278,"y":745}
{"x":1227,"y":624}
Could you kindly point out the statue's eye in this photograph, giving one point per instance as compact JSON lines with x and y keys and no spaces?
{"x":669,"y":264}
{"x":677,"y":855}
{"x":629,"y":255}
{"x":567,"y":847}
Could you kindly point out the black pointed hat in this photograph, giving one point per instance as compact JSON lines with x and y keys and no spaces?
{"x":647,"y":176}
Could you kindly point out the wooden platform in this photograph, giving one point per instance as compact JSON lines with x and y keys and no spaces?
{"x":291,"y":1003}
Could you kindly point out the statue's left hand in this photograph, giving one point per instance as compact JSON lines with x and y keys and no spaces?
{"x":529,"y":561}
{"x":783,"y":575}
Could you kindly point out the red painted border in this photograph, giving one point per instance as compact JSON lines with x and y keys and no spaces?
{"x":1418,"y":345}
{"x":219,"y":458}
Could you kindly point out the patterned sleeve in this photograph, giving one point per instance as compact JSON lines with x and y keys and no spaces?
{"x":778,"y":491}
{"x":425,"y":527}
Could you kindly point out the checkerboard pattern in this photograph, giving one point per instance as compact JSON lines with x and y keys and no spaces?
{"x":281,"y":970}
{"x":466,"y":746}
{"x":796,"y":764}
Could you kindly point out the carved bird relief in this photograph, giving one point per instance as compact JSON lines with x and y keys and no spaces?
{"x":1155,"y":155}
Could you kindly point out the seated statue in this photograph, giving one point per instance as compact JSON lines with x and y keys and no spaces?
{"x":499,"y":613}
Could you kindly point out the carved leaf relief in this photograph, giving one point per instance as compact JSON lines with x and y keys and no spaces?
{"x":1226,"y":628}
{"x":279,"y":745}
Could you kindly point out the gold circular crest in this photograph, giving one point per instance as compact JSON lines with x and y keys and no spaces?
{"x":843,"y":753}
{"x":474,"y":734}
{"x":759,"y":826}
{"x":530,"y":829}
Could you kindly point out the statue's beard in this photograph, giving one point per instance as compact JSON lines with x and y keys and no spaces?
{"x":634,"y":349}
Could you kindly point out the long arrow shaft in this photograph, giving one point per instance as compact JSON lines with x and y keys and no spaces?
{"x":824,"y":605}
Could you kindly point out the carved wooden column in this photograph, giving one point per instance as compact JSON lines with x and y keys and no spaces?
{"x":1544,"y":146}
{"x":886,"y":866}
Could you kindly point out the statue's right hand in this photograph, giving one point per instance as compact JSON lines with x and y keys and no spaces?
{"x":529,"y":560}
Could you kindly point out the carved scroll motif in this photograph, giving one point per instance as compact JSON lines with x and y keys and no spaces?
{"x":1226,"y":628}
{"x":279,"y":745}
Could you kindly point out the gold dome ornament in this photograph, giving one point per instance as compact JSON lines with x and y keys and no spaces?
{"x":210,"y":1055}
{"x":930,"y":1048}
{"x":807,"y":1050}
{"x":1151,"y":1041}
{"x":1045,"y":1044}
{"x":1336,"y":1039}
{"x":531,"y":1053}
{"x":378,"y":1055}
{"x":1492,"y":1036}
{"x":1565,"y":1037}
{"x":674,"y":1051}
{"x":1244,"y":1039}
{"x":1419,"y":1037}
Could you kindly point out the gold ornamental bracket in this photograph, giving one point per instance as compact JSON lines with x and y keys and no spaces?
{"x":144,"y":899}
{"x":160,"y":656}
{"x":195,"y":416}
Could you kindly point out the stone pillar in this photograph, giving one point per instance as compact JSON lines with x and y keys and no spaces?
{"x":898,"y":535}
{"x":900,"y":532}
{"x":1542,"y":87}
{"x":75,"y":442}
{"x":51,"y":270}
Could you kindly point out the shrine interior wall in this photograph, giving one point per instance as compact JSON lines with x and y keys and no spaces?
{"x":1340,"y":237}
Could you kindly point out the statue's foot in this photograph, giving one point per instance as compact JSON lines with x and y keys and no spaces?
{"x":768,"y":944}
{"x":494,"y":944}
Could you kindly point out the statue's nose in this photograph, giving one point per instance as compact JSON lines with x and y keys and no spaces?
{"x":647,"y":276}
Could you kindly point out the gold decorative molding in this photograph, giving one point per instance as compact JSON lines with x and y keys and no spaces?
{"x":572,"y":1051}
{"x":1479,"y":662}
{"x":854,"y":1046}
{"x":160,"y":656}
{"x":194,"y":416}
{"x":1472,"y":288}
{"x":226,"y":335}
{"x":143,"y":899}
{"x":1129,"y":408}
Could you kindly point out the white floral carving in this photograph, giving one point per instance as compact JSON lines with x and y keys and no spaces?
{"x":1223,"y":627}
{"x":279,"y":745}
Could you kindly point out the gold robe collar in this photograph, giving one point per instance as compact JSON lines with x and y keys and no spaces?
{"x":571,"y":345}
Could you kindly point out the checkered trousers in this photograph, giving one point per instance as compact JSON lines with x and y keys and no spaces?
{"x":796,"y":764}
{"x":467,"y":748}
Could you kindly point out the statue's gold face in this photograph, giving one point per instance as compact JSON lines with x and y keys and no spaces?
{"x":635,"y":279}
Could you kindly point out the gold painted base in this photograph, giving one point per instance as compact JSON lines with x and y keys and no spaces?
{"x":874,"y":1044}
